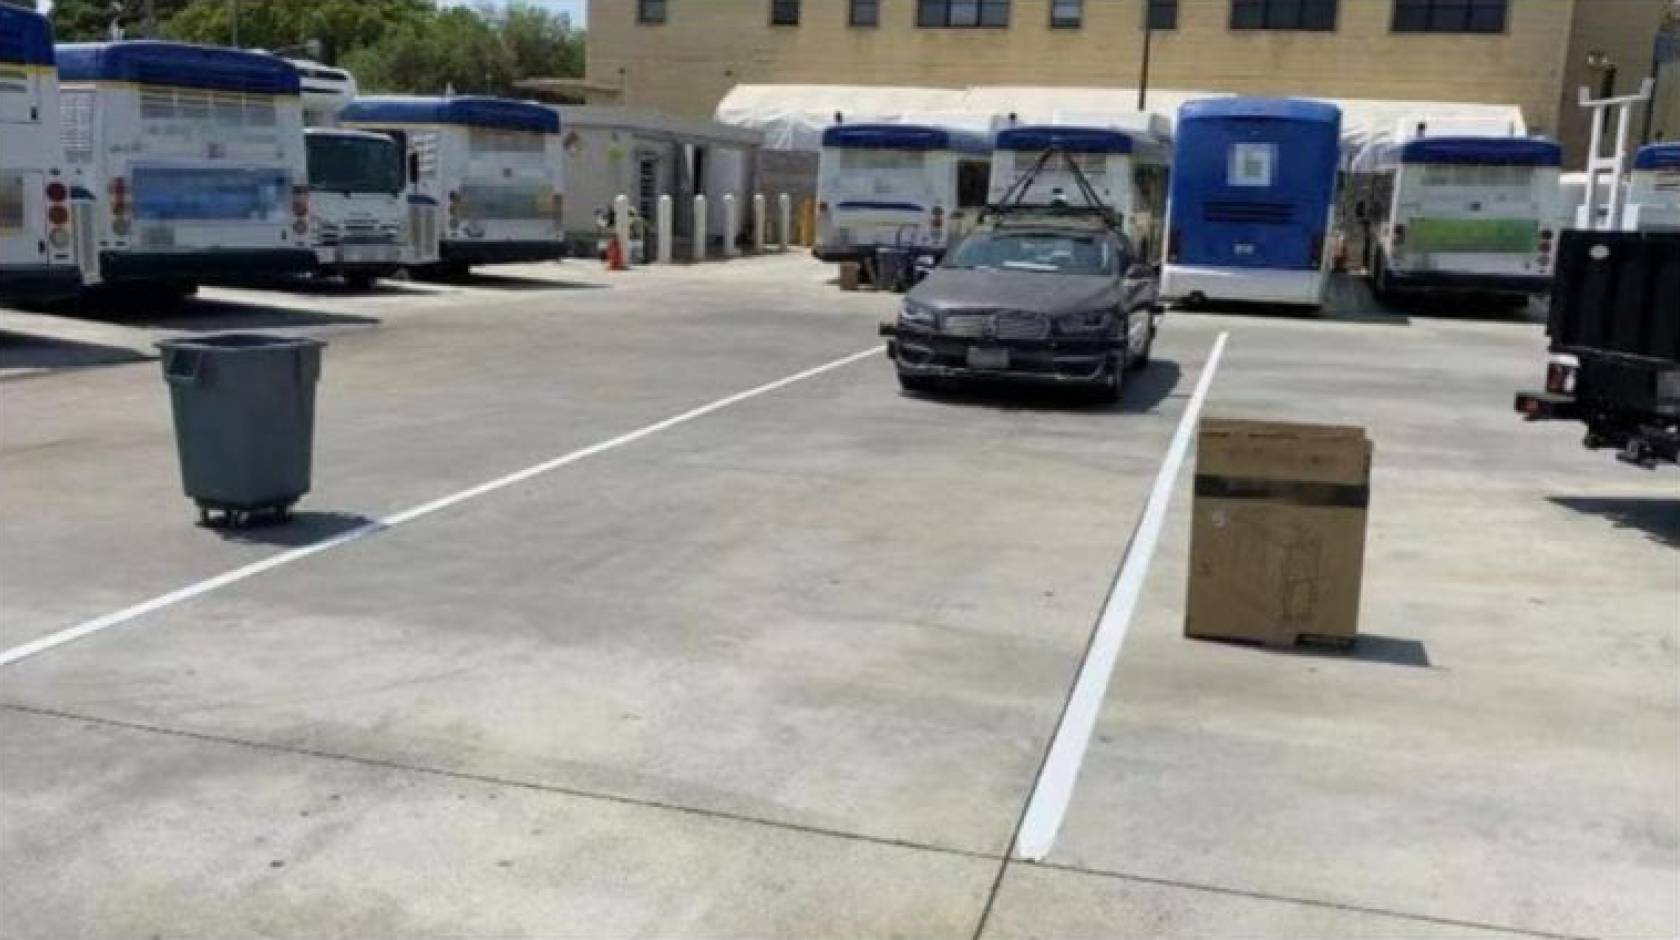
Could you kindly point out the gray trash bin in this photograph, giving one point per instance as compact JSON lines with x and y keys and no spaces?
{"x":244,"y":409}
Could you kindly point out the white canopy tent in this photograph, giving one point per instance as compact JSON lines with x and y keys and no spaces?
{"x":792,"y":117}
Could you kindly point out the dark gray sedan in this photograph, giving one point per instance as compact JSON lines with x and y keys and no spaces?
{"x":1051,"y":301}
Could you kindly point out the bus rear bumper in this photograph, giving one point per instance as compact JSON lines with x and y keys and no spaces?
{"x":1468,"y":283}
{"x":207,"y":264}
{"x":39,"y":281}
{"x":500,"y":252}
{"x":1253,"y":285}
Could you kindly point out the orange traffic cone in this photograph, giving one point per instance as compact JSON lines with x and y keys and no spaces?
{"x":615,"y":255}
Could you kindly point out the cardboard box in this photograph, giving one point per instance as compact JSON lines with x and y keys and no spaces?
{"x":1277,"y":545}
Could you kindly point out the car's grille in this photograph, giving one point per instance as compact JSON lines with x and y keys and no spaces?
{"x":1007,"y":324}
{"x":1022,"y":326}
{"x":966,"y":324}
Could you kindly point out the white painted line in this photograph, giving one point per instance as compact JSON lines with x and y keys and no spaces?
{"x":1054,"y":788}
{"x":88,"y":628}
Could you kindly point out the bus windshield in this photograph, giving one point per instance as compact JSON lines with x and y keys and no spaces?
{"x":354,"y":165}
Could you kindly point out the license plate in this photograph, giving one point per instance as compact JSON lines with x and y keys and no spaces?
{"x":988,"y":357}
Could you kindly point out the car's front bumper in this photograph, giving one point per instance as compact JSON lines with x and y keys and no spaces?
{"x":1053,"y":361}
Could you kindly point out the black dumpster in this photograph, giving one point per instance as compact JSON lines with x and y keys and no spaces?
{"x":244,"y":408}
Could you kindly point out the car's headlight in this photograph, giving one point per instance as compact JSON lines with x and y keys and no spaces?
{"x":917,"y":315}
{"x":1088,"y":323}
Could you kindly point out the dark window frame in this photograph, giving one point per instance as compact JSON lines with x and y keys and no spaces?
{"x":1061,"y":21}
{"x":1318,"y":16}
{"x":872,"y":21}
{"x":1474,"y":17}
{"x":1160,"y":14}
{"x":651,"y":12}
{"x":784,"y":12}
{"x":942,"y":14}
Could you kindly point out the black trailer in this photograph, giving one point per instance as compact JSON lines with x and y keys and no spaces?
{"x":1615,"y":342}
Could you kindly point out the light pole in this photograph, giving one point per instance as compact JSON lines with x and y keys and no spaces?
{"x":1148,"y":34}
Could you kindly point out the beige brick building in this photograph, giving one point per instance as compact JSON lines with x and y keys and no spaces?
{"x":683,"y":56}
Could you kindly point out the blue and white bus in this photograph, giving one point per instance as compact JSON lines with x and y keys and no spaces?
{"x":1127,"y":170}
{"x":1464,"y":214}
{"x":494,"y":164}
{"x":1253,"y":194}
{"x":194,"y":160}
{"x":1653,"y":198}
{"x":37,"y":245}
{"x":886,"y":185}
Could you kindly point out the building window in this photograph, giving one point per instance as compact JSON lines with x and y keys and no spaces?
{"x":1450,"y":16}
{"x":962,"y":13}
{"x":1283,"y":14}
{"x":1162,"y":14}
{"x":650,"y":12}
{"x":1067,"y":14}
{"x":784,"y":12}
{"x":865,"y":13}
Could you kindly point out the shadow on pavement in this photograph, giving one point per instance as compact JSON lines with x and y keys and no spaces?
{"x":215,"y":315}
{"x":300,"y":528}
{"x":1657,"y":517}
{"x":26,"y":351}
{"x":515,"y":282}
{"x":1367,"y":647}
{"x":1145,"y":389}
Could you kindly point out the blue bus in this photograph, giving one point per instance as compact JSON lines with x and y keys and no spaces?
{"x":193,"y":161}
{"x":37,"y":237}
{"x":1252,"y":196}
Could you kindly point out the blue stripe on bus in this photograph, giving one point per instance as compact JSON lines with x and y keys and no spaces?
{"x":1482,"y":151}
{"x":25,"y":37}
{"x":1071,"y":139}
{"x":894,"y":206}
{"x":465,"y":110}
{"x":1658,"y":157}
{"x":179,"y":64}
{"x":903,"y":137}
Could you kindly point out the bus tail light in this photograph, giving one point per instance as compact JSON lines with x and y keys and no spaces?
{"x":300,"y":201}
{"x":454,"y":209}
{"x":58,"y":215}
{"x":117,"y":190}
{"x":1545,"y":247}
{"x":822,"y":208}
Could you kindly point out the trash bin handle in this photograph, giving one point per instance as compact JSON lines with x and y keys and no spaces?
{"x":175,"y":374}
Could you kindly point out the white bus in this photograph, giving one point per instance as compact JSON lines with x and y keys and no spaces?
{"x":898,"y":185}
{"x":194,"y":156}
{"x":358,"y":203}
{"x":37,"y":247}
{"x":495,"y":164}
{"x":1653,"y":197}
{"x":325,"y":92}
{"x":1127,"y":170}
{"x":1465,"y":213}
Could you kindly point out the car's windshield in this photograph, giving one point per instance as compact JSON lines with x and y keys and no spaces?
{"x":354,"y":165}
{"x":1043,"y":252}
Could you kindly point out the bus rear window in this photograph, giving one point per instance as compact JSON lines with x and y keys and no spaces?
{"x":209,"y":193}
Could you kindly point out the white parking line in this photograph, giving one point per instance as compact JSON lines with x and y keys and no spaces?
{"x":118,"y":618}
{"x":1054,"y":788}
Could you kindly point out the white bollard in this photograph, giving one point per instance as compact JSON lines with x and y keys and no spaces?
{"x":731,"y":225}
{"x":664,"y":229}
{"x":621,"y":226}
{"x":700,"y":227}
{"x":784,"y":204}
{"x":758,"y":224}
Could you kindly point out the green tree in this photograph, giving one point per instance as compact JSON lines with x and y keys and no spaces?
{"x":339,"y":25}
{"x":479,"y":51}
{"x":90,"y":20}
